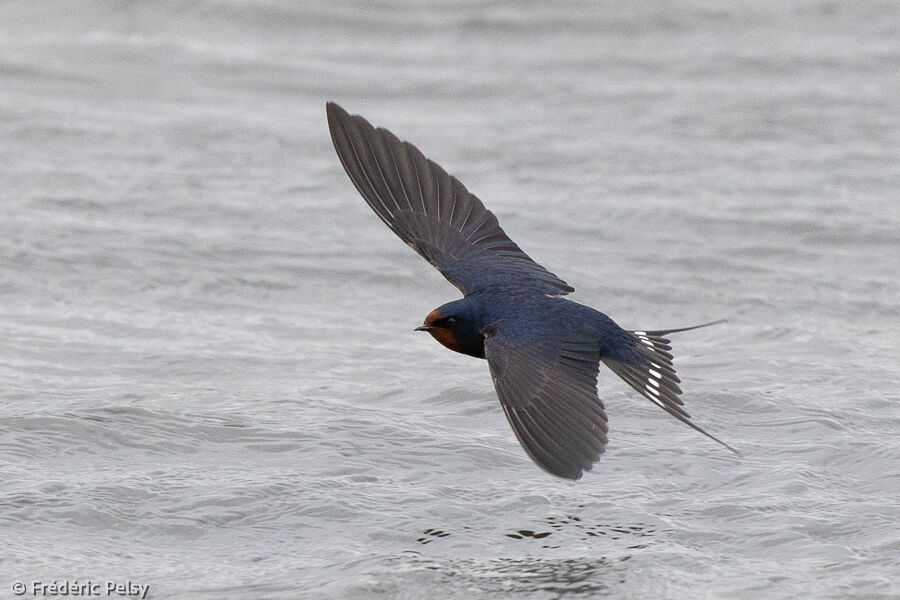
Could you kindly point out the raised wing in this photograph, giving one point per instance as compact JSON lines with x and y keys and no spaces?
{"x":431,"y":211}
{"x":548,"y":390}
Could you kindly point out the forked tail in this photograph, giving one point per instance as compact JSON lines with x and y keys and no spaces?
{"x":653,"y":375}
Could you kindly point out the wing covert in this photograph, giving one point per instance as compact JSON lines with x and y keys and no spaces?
{"x":432,"y":211}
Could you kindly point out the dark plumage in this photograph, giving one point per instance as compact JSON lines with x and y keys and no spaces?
{"x":543,"y":350}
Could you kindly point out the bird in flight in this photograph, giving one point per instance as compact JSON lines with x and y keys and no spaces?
{"x":543,"y":350}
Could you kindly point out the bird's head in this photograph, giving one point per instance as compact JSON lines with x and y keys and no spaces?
{"x":456,"y":328}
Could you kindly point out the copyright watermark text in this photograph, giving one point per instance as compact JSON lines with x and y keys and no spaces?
{"x":65,"y":587}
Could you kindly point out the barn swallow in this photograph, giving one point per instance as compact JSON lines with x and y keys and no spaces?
{"x":543,"y":350}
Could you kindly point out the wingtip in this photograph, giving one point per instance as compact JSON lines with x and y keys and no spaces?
{"x":567,"y":474}
{"x":333,"y":110}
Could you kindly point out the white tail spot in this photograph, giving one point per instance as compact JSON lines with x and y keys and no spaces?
{"x":653,"y":382}
{"x":655,"y":373}
{"x":652,"y":390}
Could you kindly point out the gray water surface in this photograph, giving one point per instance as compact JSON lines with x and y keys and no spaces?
{"x":209,"y":382}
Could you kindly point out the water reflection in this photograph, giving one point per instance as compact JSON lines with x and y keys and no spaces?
{"x":542,"y":571}
{"x":551,"y":577}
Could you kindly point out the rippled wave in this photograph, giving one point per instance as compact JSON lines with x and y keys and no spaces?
{"x":209,"y":378}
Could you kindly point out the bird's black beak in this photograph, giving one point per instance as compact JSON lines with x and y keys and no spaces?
{"x":422,"y":328}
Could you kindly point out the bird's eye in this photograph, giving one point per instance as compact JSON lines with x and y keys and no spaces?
{"x":451,"y":320}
